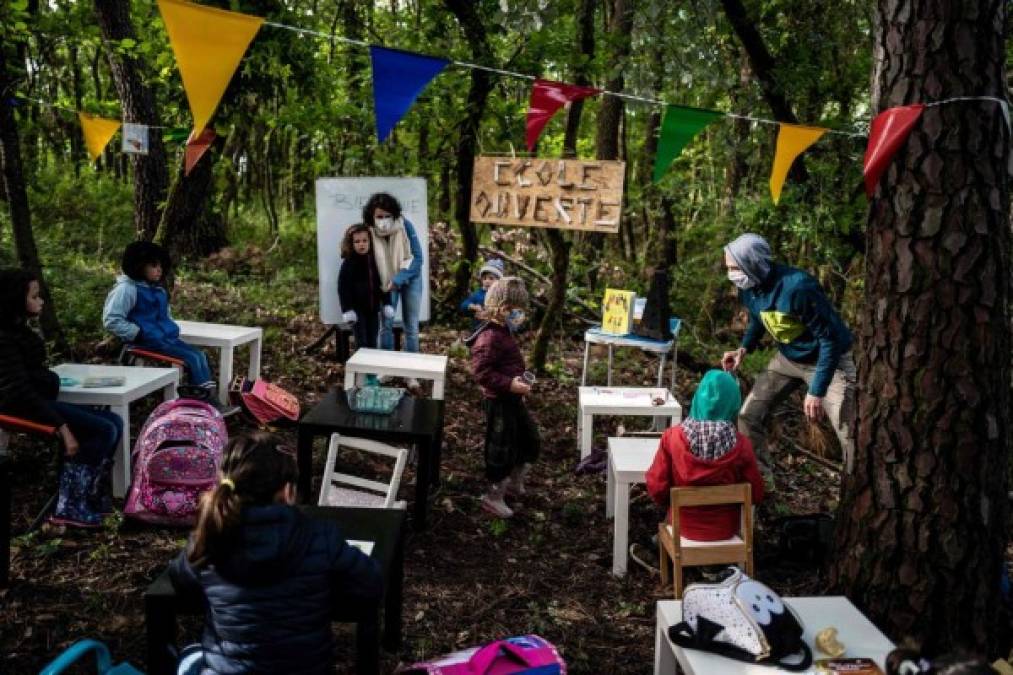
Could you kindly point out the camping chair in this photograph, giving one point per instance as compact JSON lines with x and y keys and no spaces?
{"x":78,"y":650}
{"x":370,"y":493}
{"x":688,"y":553}
{"x":9,"y":424}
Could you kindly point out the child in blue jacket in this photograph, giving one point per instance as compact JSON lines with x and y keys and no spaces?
{"x":474,"y":304}
{"x":137,"y":311}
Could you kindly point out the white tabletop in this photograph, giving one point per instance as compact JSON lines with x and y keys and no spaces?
{"x":632,"y":457}
{"x":139,"y":381}
{"x":858,"y":635}
{"x":628,"y":400}
{"x":217,"y":334}
{"x":407,"y":363}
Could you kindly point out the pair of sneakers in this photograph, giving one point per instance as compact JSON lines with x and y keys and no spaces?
{"x":494,"y":501}
{"x":411,"y":383}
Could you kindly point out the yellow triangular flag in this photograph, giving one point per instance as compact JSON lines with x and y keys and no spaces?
{"x":98,"y":131}
{"x":792,"y":141}
{"x":208,"y":43}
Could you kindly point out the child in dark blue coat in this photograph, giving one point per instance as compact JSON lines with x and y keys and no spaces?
{"x":137,"y":311}
{"x":269,"y":573}
{"x":474,"y":304}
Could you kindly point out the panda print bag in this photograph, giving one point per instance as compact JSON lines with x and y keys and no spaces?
{"x":744,"y":620}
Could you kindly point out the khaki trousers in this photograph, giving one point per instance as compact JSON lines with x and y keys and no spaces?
{"x":779,"y":380}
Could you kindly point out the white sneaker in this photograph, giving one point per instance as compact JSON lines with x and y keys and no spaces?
{"x":413,"y":384}
{"x":383,"y":379}
{"x":496,"y":506}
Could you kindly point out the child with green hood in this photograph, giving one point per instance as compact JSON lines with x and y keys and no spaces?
{"x":706,"y":449}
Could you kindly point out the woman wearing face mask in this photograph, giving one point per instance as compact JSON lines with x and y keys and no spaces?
{"x":813,"y":343}
{"x":399,"y":260}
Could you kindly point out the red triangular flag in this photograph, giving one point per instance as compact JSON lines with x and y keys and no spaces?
{"x":196,"y":147}
{"x":546,"y":98}
{"x":889,"y":131}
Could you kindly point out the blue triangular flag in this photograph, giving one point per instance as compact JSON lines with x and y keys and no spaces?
{"x":398,"y":79}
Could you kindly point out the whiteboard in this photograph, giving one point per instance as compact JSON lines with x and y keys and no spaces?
{"x":339,"y":204}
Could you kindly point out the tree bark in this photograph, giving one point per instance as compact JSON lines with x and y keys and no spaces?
{"x":478,"y":93}
{"x":150,"y":171}
{"x":189,"y":227}
{"x":923,"y":519}
{"x":559,"y":242}
{"x":17,"y":196}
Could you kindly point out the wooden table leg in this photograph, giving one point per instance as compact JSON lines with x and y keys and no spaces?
{"x":304,"y":458}
{"x":393,"y":598}
{"x":226,"y":355}
{"x":121,"y":462}
{"x":160,"y":629}
{"x":256,"y":347}
{"x":367,"y":643}
{"x":422,"y":475}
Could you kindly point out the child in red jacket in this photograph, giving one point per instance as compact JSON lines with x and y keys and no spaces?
{"x":511,"y":437}
{"x":706,"y":449}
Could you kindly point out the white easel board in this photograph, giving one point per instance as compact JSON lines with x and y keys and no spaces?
{"x":339,"y":204}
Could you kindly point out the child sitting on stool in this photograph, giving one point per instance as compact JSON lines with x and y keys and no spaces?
{"x":511,"y":437}
{"x":474,"y":304}
{"x":137,"y":311}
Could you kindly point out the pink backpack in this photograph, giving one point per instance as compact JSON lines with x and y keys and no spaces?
{"x":176,"y":458}
{"x":524,"y":654}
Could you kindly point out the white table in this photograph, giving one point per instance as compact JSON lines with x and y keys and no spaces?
{"x":620,"y":401}
{"x":399,"y":364}
{"x":629,"y":460}
{"x":597,"y":337}
{"x":140,"y":382}
{"x":226,"y":338}
{"x":854,"y":631}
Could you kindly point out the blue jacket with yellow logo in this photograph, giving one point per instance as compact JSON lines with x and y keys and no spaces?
{"x":791,"y":306}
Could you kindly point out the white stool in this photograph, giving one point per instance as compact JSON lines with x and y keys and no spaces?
{"x":225,"y":338}
{"x":400,"y":364}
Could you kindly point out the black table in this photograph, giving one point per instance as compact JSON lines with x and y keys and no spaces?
{"x":5,"y":519}
{"x":385,"y":527}
{"x":415,"y":421}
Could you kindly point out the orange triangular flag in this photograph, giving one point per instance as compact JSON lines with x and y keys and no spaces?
{"x":208,"y":43}
{"x":792,"y":141}
{"x":98,"y":131}
{"x":196,"y":147}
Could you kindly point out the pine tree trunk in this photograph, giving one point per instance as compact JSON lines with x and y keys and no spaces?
{"x":150,"y":171}
{"x":478,"y":93}
{"x":923,"y":520}
{"x":16,"y":194}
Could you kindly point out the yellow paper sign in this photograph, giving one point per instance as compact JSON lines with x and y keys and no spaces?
{"x":208,"y":43}
{"x":792,"y":141}
{"x":617,"y":312}
{"x":98,"y":131}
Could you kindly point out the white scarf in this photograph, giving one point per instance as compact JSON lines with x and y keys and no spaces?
{"x":392,"y":250}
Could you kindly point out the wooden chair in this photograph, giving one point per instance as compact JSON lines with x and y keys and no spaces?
{"x":370,"y":493}
{"x":9,"y":424}
{"x":688,"y":553}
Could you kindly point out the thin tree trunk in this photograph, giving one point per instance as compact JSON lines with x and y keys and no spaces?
{"x":923,"y":519}
{"x":478,"y":92}
{"x":17,"y":196}
{"x":150,"y":171}
{"x":189,"y":227}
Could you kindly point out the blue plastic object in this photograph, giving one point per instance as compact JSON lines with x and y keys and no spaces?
{"x":78,"y":650}
{"x":375,"y":400}
{"x":69,"y":382}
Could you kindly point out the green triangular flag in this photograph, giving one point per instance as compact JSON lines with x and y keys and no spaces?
{"x":677,"y":129}
{"x":176,"y":135}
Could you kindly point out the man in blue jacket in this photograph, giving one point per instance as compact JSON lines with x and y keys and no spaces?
{"x":813,"y":345}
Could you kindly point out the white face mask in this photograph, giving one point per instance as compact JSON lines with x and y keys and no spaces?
{"x":385,"y":224}
{"x":740,"y":279}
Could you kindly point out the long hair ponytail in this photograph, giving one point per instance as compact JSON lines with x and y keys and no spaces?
{"x":254,"y":469}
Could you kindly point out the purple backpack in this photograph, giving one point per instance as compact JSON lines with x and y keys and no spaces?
{"x":176,"y":458}
{"x":528,"y":654}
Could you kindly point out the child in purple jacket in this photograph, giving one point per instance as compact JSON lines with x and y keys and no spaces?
{"x":511,"y":438}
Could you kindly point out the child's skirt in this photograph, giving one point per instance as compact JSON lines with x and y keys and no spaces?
{"x":511,"y":437}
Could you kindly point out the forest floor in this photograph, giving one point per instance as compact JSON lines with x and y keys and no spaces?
{"x":468,"y":578}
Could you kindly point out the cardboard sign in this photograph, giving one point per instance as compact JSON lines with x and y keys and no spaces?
{"x":135,"y":138}
{"x":567,"y":194}
{"x":617,"y":312}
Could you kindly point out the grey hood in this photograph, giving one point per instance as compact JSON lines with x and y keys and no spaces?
{"x":751,"y":253}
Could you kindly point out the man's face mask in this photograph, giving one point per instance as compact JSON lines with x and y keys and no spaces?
{"x":740,"y":279}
